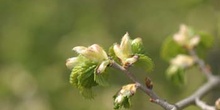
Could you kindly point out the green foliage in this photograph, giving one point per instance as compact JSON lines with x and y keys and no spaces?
{"x":87,"y":73}
{"x":87,"y":93}
{"x":125,"y":103}
{"x":86,"y":77}
{"x":137,"y":48}
{"x":177,"y":77}
{"x":101,"y":79}
{"x":206,"y":41}
{"x":82,"y":77}
{"x":170,"y":49}
{"x":112,"y":54}
{"x":144,"y":62}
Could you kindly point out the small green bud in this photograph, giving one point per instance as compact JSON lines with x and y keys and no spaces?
{"x":137,"y":41}
{"x":137,"y":46}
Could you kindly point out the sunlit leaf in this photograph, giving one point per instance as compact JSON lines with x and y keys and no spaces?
{"x":82,"y":77}
{"x":86,"y":77}
{"x":73,"y":78}
{"x":144,"y":62}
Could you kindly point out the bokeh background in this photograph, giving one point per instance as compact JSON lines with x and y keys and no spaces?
{"x":36,"y":38}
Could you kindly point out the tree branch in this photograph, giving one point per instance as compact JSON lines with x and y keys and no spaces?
{"x":203,"y":105}
{"x":154,"y":98}
{"x":207,"y":87}
{"x":213,"y":81}
{"x":205,"y":70}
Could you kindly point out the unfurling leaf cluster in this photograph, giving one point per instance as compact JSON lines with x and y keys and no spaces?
{"x":176,"y":50}
{"x":123,"y":97}
{"x":89,"y":68}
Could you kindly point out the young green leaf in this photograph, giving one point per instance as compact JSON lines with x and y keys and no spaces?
{"x":87,"y":93}
{"x":206,"y":41}
{"x":101,"y":79}
{"x":177,"y":77}
{"x":73,"y":78}
{"x":137,"y":46}
{"x":126,"y":103}
{"x":123,"y":97}
{"x":112,"y":54}
{"x":82,"y":77}
{"x":170,"y":49}
{"x":144,"y":62}
{"x":86,"y":77}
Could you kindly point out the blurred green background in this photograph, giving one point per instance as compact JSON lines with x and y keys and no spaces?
{"x":36,"y":38}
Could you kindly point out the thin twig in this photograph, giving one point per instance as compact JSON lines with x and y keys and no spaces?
{"x":205,"y":70}
{"x":203,"y":105}
{"x":213,"y":82}
{"x":146,"y":90}
{"x":204,"y":89}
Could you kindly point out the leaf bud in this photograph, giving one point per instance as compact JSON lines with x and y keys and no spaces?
{"x":93,"y":52}
{"x":71,"y":62}
{"x":122,"y":98}
{"x":130,"y":61}
{"x":148,"y":83}
{"x":101,"y":68}
{"x":182,"y":60}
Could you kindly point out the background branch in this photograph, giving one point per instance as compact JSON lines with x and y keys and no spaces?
{"x":203,"y":105}
{"x":204,"y":89}
{"x":213,"y":82}
{"x":207,"y":72}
